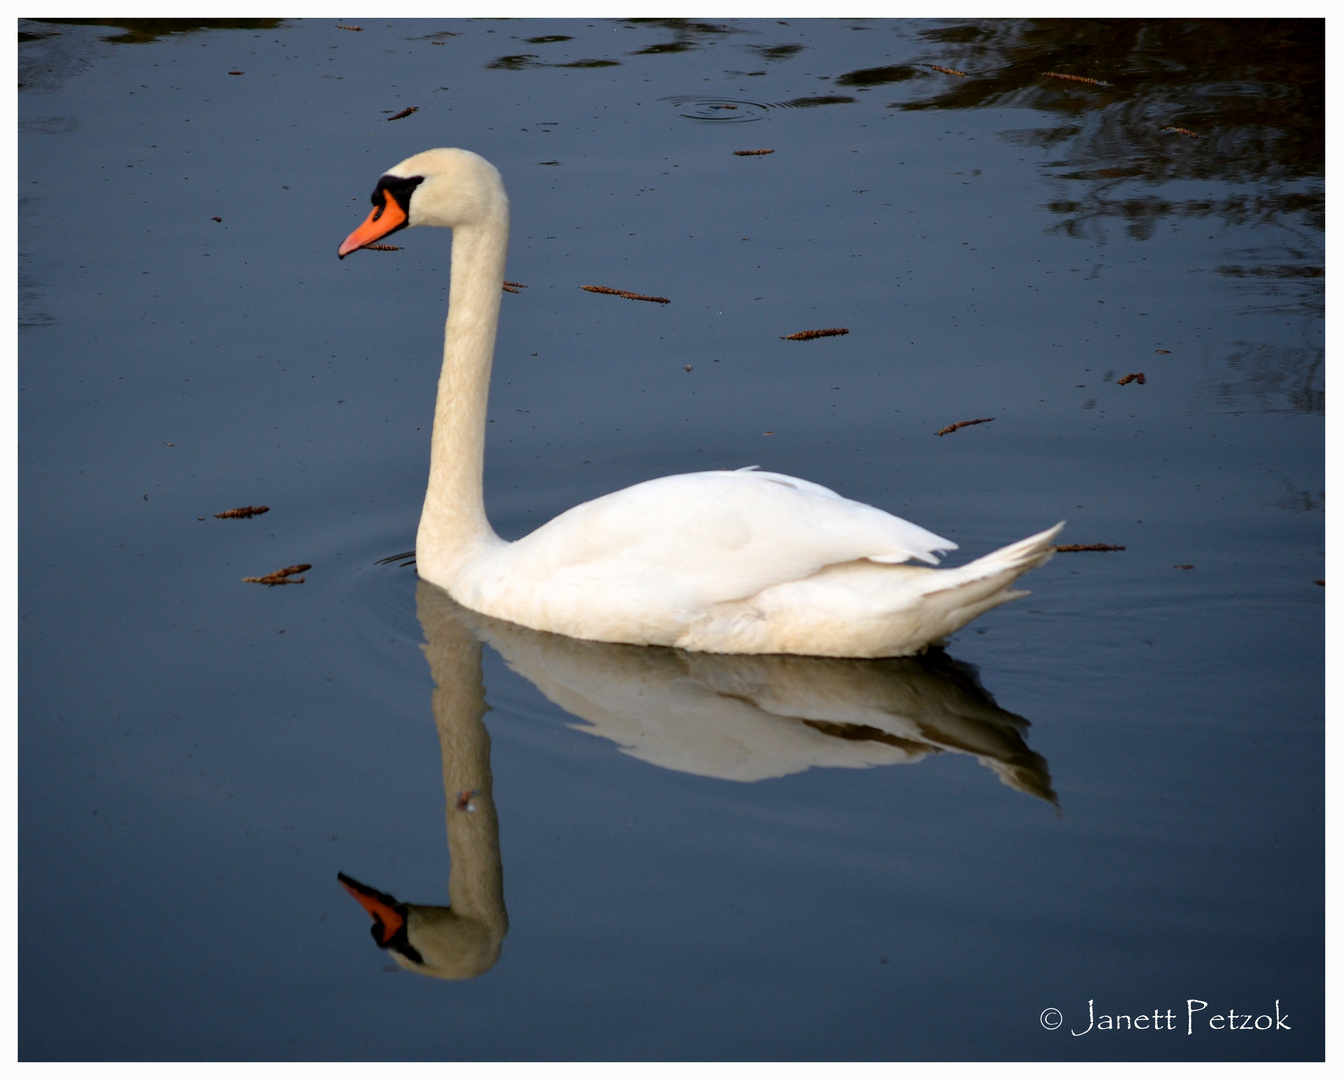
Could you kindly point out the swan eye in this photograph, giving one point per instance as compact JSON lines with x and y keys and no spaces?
{"x":400,"y":188}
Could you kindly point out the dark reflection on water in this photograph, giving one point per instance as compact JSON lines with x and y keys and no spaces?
{"x":819,"y":99}
{"x":1239,"y":100}
{"x":1272,"y":378}
{"x":524,"y":61}
{"x":770,"y":53}
{"x":144,"y":31}
{"x":48,"y":57}
{"x":1143,"y":104}
{"x":688,"y":28}
{"x":665,"y":47}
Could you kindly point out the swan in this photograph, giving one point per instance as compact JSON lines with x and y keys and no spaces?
{"x":739,"y":561}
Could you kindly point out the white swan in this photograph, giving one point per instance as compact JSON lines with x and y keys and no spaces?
{"x":728,"y":562}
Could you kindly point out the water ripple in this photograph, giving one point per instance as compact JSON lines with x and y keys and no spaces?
{"x":718,"y":110}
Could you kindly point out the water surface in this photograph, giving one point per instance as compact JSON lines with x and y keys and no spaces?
{"x":1111,"y":791}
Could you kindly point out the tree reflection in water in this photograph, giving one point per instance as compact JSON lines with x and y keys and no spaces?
{"x":1239,"y":102}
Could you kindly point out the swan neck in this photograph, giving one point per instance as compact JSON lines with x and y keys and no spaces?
{"x":453,"y":526}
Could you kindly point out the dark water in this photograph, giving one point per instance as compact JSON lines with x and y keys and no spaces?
{"x":1111,"y":791}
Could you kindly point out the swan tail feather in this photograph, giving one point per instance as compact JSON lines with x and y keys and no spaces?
{"x":963,"y":593}
{"x":1014,"y":560}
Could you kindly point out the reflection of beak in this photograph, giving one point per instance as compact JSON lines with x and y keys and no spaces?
{"x":383,"y":220}
{"x":388,"y":914}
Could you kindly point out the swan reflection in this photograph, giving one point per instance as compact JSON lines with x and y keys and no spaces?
{"x":741,"y":718}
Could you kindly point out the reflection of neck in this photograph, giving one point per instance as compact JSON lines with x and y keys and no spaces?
{"x":476,"y":878}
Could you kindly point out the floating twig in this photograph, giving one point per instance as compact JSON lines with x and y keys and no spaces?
{"x":626,"y":295}
{"x":282,"y":577}
{"x":243,"y":512}
{"x":1136,"y":376}
{"x":405,"y":112}
{"x":946,"y":71}
{"x":1165,"y":352}
{"x":807,"y":335}
{"x":1074,"y":78}
{"x":1181,"y":131}
{"x":288,"y":571}
{"x":355,"y":28}
{"x":1184,"y":566}
{"x":1088,"y":547}
{"x":513,"y":286}
{"x":235,"y":72}
{"x":964,"y":423}
{"x":751,"y":153}
{"x":382,"y":247}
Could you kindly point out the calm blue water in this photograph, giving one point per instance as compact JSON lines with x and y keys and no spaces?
{"x":1111,"y":791}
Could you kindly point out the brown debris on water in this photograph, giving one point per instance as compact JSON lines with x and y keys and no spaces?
{"x":235,"y":72}
{"x":965,"y":423}
{"x":405,"y":112}
{"x":625,"y":294}
{"x":1135,"y":376}
{"x":808,"y":335}
{"x":751,"y":153}
{"x":382,"y":247}
{"x":1090,"y":547}
{"x":513,"y":286}
{"x":947,"y":71}
{"x":243,"y":512}
{"x":1181,"y":131}
{"x":1074,"y":78}
{"x":357,"y":29}
{"x":282,"y":577}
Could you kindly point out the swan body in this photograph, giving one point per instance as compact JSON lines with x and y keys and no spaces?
{"x":727,"y":562}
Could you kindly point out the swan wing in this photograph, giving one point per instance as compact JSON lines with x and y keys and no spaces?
{"x":652,"y":557}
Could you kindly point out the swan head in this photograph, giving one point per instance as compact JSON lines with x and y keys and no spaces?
{"x":426,"y":938}
{"x":445,"y":187}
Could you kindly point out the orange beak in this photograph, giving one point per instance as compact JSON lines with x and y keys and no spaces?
{"x":384,"y":219}
{"x":387,"y":920}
